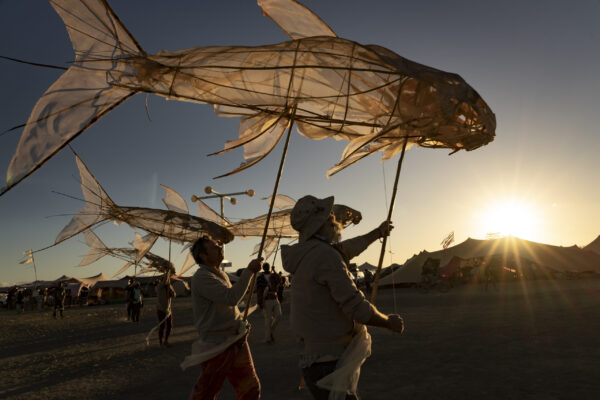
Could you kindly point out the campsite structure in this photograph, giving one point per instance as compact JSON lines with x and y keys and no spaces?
{"x":522,"y":258}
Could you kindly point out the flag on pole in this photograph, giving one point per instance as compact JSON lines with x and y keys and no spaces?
{"x":447,"y":240}
{"x":29,"y":259}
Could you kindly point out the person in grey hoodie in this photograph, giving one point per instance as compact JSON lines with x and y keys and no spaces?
{"x":326,"y":306}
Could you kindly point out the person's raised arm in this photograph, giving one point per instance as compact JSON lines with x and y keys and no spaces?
{"x":215,"y":290}
{"x":353,"y":247}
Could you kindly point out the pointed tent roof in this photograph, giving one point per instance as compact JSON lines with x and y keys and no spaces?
{"x":367,"y":266}
{"x":409,"y":272}
{"x":66,"y":278}
{"x":594,"y":246}
{"x":86,"y":281}
{"x":93,"y":279}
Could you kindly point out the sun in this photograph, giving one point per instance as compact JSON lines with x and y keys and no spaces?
{"x":511,"y":217}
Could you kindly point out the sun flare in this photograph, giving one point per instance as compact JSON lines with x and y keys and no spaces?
{"x":511,"y":218}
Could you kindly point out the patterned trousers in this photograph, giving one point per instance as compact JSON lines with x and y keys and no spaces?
{"x":234,"y":364}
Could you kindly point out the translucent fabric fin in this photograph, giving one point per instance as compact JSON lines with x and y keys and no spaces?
{"x":249,"y":129}
{"x":261,"y":146}
{"x":296,"y":20}
{"x":355,"y":157}
{"x":279,"y":226}
{"x":394,"y":149}
{"x":95,"y":210}
{"x":97,"y":248}
{"x":174,"y":201}
{"x":209,"y":214}
{"x":356,"y":144}
{"x":269,"y":247}
{"x":187,"y":264}
{"x":186,"y":246}
{"x":123,"y":269}
{"x":143,"y":244}
{"x":145,"y":270}
{"x":282,"y":201}
{"x":84,"y":93}
{"x":312,"y":131}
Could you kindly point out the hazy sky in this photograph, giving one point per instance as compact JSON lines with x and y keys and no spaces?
{"x":535,"y":63}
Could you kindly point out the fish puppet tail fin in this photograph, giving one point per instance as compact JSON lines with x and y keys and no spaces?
{"x":85,"y":92}
{"x":98,"y":206}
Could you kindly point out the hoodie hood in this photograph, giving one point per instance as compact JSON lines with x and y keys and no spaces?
{"x":292,"y":255}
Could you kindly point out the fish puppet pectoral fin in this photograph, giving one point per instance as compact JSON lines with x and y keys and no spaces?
{"x":123,"y":268}
{"x":187,"y":264}
{"x":97,"y":248}
{"x":96,"y":207}
{"x":356,"y":156}
{"x":296,"y":20}
{"x":259,"y":136}
{"x":83,"y":94}
{"x":143,"y":244}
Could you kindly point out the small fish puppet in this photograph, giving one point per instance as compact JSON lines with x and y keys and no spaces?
{"x":329,"y":86}
{"x":138,"y":254}
{"x":173,"y":225}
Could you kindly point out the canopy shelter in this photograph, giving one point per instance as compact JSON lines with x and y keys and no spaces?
{"x":75,"y":288}
{"x":516,"y":253}
{"x":91,"y":281}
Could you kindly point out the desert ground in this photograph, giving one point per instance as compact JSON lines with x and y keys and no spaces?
{"x":525,"y":340}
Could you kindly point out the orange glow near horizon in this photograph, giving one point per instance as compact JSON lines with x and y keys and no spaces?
{"x":511,"y":217}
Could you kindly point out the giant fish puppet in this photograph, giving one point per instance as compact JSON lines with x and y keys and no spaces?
{"x":330,"y":86}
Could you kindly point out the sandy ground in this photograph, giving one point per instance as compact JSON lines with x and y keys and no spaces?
{"x":539,"y":340}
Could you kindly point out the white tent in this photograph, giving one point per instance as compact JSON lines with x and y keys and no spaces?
{"x":408,"y":273}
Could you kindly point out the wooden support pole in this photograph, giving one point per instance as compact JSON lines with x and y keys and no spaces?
{"x":271,"y":204}
{"x":389,"y":219}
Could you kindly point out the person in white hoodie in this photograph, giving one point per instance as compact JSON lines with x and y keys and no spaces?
{"x":327,"y":309}
{"x":218,"y":320}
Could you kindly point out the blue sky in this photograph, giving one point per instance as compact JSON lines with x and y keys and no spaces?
{"x":534,"y":62}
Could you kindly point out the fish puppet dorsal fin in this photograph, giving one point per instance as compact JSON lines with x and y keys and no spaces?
{"x":174,"y":201}
{"x":295,"y":19}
